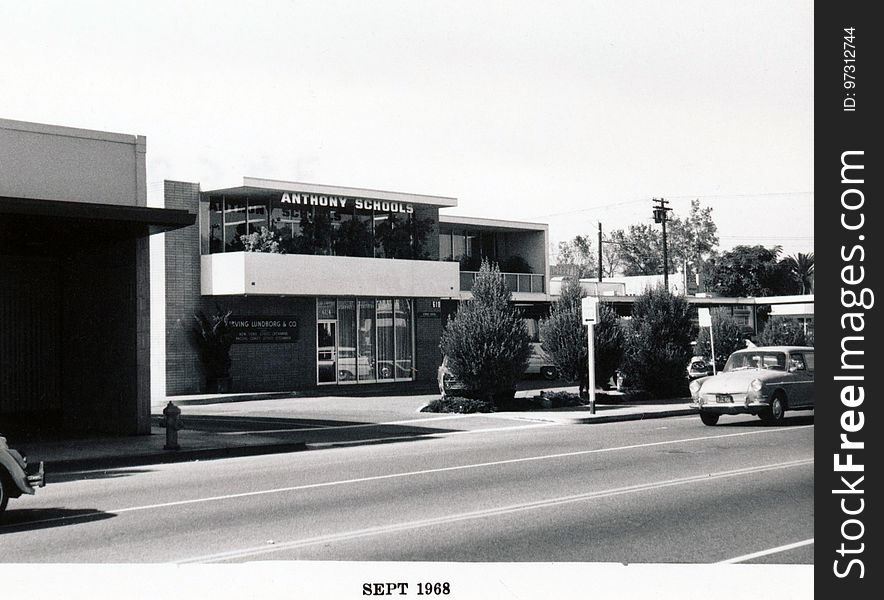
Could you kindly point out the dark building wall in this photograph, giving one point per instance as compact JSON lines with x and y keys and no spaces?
{"x":277,"y":366}
{"x":30,"y":337}
{"x":69,"y":346}
{"x":100,"y":362}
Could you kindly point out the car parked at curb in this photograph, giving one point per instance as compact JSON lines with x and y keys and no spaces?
{"x":16,"y":476}
{"x":539,"y":363}
{"x":765,"y":381}
{"x":699,"y":367}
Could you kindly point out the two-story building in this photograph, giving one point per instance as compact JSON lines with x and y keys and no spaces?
{"x":332,"y":286}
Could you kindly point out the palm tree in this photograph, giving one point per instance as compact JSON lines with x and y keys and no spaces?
{"x":801,"y":269}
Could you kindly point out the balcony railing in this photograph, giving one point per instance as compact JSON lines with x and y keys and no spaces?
{"x":515,"y":282}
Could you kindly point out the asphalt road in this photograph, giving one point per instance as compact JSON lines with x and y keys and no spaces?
{"x":667,"y":490}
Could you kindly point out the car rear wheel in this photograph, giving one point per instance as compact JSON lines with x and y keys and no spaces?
{"x":777,"y":411}
{"x":709,"y":418}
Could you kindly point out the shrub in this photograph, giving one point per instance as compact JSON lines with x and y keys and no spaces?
{"x":456,"y":404}
{"x":727,"y":335}
{"x":486,"y":341}
{"x":785,"y":331}
{"x":212,"y":337}
{"x":563,"y":338}
{"x":609,"y":341}
{"x":658,"y":344}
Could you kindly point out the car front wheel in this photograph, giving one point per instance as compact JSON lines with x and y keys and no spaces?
{"x":3,"y":497}
{"x":709,"y":418}
{"x":777,"y":411}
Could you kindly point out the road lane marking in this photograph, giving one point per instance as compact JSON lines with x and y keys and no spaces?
{"x":480,"y":514}
{"x":418,"y":473}
{"x":761,"y":553}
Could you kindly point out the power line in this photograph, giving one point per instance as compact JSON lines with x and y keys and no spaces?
{"x":689,"y":196}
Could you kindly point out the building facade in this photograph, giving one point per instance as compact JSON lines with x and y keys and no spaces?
{"x":329,"y":286}
{"x":74,"y":279}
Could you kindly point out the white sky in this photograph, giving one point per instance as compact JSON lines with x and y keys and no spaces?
{"x":568,"y":113}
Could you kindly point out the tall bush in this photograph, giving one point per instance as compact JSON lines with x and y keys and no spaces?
{"x":785,"y":331}
{"x":563,"y":337}
{"x":486,"y":341}
{"x":658,"y":344}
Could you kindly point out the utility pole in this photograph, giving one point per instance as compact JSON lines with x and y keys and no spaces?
{"x":600,"y":254}
{"x":660,"y":211}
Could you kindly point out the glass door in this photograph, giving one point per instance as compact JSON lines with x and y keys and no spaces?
{"x":326,"y":352}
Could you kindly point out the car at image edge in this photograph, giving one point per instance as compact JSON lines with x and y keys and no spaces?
{"x":16,"y":476}
{"x":765,"y":381}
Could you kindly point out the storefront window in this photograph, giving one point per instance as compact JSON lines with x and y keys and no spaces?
{"x":386,"y":347}
{"x":366,"y":341}
{"x":347,"y":358}
{"x":403,"y":337}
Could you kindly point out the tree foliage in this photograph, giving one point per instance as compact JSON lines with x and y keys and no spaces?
{"x":640,"y":249}
{"x":692,"y":239}
{"x":728,"y":336}
{"x":751,"y":271}
{"x":785,"y":331}
{"x":658,"y":343}
{"x":576,"y":258}
{"x":486,"y":341}
{"x":800,"y":268}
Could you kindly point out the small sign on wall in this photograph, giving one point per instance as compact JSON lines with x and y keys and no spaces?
{"x":264,"y":330}
{"x":427,"y":308}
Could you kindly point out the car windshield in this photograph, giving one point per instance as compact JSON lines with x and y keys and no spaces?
{"x":738,"y":361}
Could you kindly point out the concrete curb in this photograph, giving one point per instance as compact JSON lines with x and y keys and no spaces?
{"x":678,"y":412}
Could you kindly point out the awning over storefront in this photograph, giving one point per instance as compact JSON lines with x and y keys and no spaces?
{"x":39,"y":225}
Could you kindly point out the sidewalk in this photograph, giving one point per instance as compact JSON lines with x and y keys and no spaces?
{"x":253,"y":424}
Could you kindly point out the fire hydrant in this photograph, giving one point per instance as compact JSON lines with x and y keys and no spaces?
{"x":171,"y":415}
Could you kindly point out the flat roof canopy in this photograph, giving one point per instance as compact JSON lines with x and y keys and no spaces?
{"x":262,"y":187}
{"x":28,"y":224}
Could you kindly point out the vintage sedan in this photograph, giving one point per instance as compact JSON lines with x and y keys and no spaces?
{"x":16,"y":476}
{"x":765,"y":381}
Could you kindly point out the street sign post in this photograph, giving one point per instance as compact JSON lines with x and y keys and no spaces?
{"x":589,"y":311}
{"x":705,"y":318}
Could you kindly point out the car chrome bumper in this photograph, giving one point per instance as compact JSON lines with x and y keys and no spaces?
{"x":36,"y":478}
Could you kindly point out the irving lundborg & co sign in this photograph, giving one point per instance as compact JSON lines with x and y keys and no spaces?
{"x":263,"y":330}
